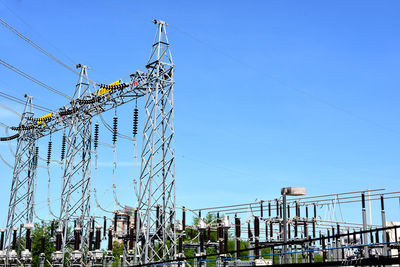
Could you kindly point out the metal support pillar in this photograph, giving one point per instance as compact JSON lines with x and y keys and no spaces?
{"x":365,"y":235}
{"x":21,"y":204}
{"x":384,"y":239}
{"x":285,"y":235}
{"x":75,"y":192}
{"x":157,"y":178}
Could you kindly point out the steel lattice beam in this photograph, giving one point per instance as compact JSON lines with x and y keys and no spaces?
{"x":157,"y":179}
{"x":156,"y":197}
{"x":20,"y":209}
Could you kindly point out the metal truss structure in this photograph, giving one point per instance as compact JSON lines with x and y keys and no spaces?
{"x":262,"y":232}
{"x":75,"y":194}
{"x":157,"y":178}
{"x":20,"y":209}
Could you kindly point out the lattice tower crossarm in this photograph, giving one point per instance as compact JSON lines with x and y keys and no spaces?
{"x":157,"y":179}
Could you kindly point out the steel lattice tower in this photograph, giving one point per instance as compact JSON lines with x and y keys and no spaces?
{"x":157,"y":179}
{"x":156,"y":198}
{"x":21,"y":205}
{"x":75,"y":195}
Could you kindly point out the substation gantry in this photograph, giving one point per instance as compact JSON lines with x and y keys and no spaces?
{"x":155,"y":214}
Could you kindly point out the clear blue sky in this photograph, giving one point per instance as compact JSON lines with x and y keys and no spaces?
{"x":268,"y":93}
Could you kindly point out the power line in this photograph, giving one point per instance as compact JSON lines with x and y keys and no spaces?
{"x":73,"y":62}
{"x":10,"y":109}
{"x":21,"y":101}
{"x":20,"y":72}
{"x":285,"y":84}
{"x":29,"y":41}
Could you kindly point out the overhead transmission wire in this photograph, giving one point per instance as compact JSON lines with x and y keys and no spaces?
{"x":96,"y":143}
{"x":29,"y":41}
{"x":115,"y":200}
{"x":284,"y":83}
{"x":27,"y":76}
{"x":73,"y":62}
{"x":114,"y":147}
{"x":110,"y":128}
{"x":22,"y":102}
{"x":10,"y":109}
{"x":48,"y":161}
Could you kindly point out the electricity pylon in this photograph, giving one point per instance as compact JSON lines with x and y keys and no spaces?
{"x":157,"y":179}
{"x":20,"y":209}
{"x":75,"y":194}
{"x":156,"y":197}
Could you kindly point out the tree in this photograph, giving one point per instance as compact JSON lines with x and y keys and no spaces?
{"x":117,"y":250}
{"x":49,"y":246}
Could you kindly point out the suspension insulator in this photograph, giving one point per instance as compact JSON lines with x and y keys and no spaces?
{"x":36,"y":156}
{"x":96,"y":135}
{"x":64,"y":140}
{"x":49,"y":153}
{"x":105,"y":227}
{"x":115,"y":127}
{"x":135,"y":121}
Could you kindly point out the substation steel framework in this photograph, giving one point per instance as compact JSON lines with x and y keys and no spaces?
{"x":155,"y":231}
{"x":21,"y":205}
{"x":75,"y":193}
{"x":156,"y":199}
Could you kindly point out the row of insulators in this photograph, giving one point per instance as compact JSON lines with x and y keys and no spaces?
{"x":40,"y":119}
{"x":68,"y":112}
{"x":96,"y":135}
{"x":35,"y":161}
{"x":115,"y":129}
{"x":135,"y":121}
{"x":22,"y":127}
{"x":49,"y":152}
{"x":64,"y":140}
{"x":87,"y":101}
{"x":119,"y":86}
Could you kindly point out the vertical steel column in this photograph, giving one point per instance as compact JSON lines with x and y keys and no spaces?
{"x":75,"y":192}
{"x":384,"y":239}
{"x":157,"y":176}
{"x":364,"y":218}
{"x":21,"y":204}
{"x":285,"y":235}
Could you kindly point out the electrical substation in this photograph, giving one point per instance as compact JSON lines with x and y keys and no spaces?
{"x":294,"y":228}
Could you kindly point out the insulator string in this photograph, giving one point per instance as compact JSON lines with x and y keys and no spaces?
{"x":64,"y":139}
{"x":115,"y":129}
{"x":49,"y":152}
{"x":135,"y":121}
{"x":96,"y":135}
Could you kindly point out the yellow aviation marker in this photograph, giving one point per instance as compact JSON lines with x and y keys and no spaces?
{"x":103,"y":91}
{"x":42,"y":119}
